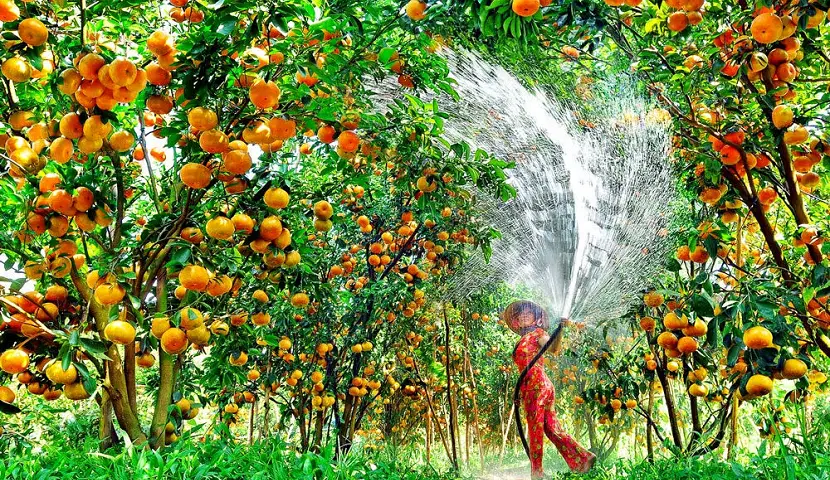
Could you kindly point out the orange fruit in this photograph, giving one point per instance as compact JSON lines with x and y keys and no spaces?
{"x":90,"y":64}
{"x":323,"y":209}
{"x":120,"y":332}
{"x":32,"y":31}
{"x":782,"y":116}
{"x":264,"y":94}
{"x":202,"y":118}
{"x":122,"y":141}
{"x":416,"y":10}
{"x":326,"y":134}
{"x":522,"y":8}
{"x":83,"y":199}
{"x":270,"y":228}
{"x":6,"y":394}
{"x":156,"y":75}
{"x":759,"y":385}
{"x":282,"y":129}
{"x":237,"y":162}
{"x":667,"y":340}
{"x":348,"y":141}
{"x":794,"y":368}
{"x":109,"y":293}
{"x":160,"y":104}
{"x":678,"y":21}
{"x":698,"y":390}
{"x":220,"y":228}
{"x":687,"y":345}
{"x":243,"y":222}
{"x":276,"y":198}
{"x":672,"y":322}
{"x":174,"y":341}
{"x":767,"y":28}
{"x":190,"y":318}
{"x":75,"y":391}
{"x":16,"y":69}
{"x":299,"y":300}
{"x":14,"y":361}
{"x":159,"y":325}
{"x":195,"y":175}
{"x":698,"y":329}
{"x":757,"y":337}
{"x":71,"y":126}
{"x":213,"y":141}
{"x":9,"y":12}
{"x":122,"y":72}
{"x":194,"y":277}
{"x":160,"y":43}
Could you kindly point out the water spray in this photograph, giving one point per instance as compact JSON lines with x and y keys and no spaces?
{"x":588,"y":225}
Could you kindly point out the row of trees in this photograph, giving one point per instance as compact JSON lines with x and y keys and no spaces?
{"x":208,"y":192}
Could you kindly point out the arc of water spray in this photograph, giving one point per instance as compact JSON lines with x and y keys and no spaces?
{"x":583,"y":229}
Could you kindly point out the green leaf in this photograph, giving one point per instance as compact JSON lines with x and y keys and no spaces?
{"x":65,"y":355}
{"x":8,"y":408}
{"x":226,"y":26}
{"x":496,"y":4}
{"x":732,"y":356}
{"x":702,"y":306}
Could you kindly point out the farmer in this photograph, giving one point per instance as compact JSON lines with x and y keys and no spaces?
{"x":531,"y":322}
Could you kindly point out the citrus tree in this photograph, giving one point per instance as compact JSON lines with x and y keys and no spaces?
{"x":742,"y":304}
{"x":208,"y":192}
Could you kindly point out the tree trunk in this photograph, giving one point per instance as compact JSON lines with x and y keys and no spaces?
{"x":469,"y":368}
{"x":129,"y":375}
{"x":166,"y":376}
{"x":251,"y":422}
{"x":671,"y":411}
{"x":649,"y":427}
{"x":450,"y":405}
{"x":428,"y":435}
{"x":318,"y":431}
{"x":117,"y":389}
{"x":105,"y":426}
{"x":733,"y":427}
{"x":263,"y":430}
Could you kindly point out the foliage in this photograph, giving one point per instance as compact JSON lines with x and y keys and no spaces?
{"x":211,"y":460}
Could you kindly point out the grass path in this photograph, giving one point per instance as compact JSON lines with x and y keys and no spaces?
{"x":508,"y":473}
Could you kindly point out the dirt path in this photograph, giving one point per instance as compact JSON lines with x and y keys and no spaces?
{"x":509,"y":473}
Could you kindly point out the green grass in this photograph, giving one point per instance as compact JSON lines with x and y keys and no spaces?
{"x":776,"y":459}
{"x":788,"y":458}
{"x":204,"y":461}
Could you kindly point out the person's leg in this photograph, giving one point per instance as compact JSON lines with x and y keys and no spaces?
{"x":535,"y":412}
{"x":578,"y":458}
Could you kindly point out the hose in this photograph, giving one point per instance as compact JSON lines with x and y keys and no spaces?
{"x":516,"y":397}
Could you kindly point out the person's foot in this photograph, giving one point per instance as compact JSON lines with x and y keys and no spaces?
{"x":589,"y":464}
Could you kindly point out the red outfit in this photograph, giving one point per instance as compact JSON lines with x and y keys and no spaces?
{"x":538,"y":399}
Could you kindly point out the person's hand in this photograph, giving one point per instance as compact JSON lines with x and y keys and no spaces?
{"x":566,"y":322}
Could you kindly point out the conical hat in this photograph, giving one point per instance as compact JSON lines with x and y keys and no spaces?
{"x":511,"y":315}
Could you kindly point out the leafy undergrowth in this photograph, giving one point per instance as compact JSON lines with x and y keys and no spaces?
{"x":206,"y":461}
{"x":275,"y":460}
{"x":779,"y":463}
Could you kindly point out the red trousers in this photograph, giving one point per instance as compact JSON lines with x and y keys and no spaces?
{"x":542,"y":422}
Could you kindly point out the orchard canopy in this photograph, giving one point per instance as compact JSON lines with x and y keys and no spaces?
{"x":212,"y":231}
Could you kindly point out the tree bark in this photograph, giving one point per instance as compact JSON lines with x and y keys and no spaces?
{"x":129,"y":375}
{"x":450,"y":405}
{"x":670,"y":408}
{"x":649,"y":428}
{"x":105,"y":426}
{"x":251,"y":423}
{"x":318,"y":431}
{"x":164,"y":396}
